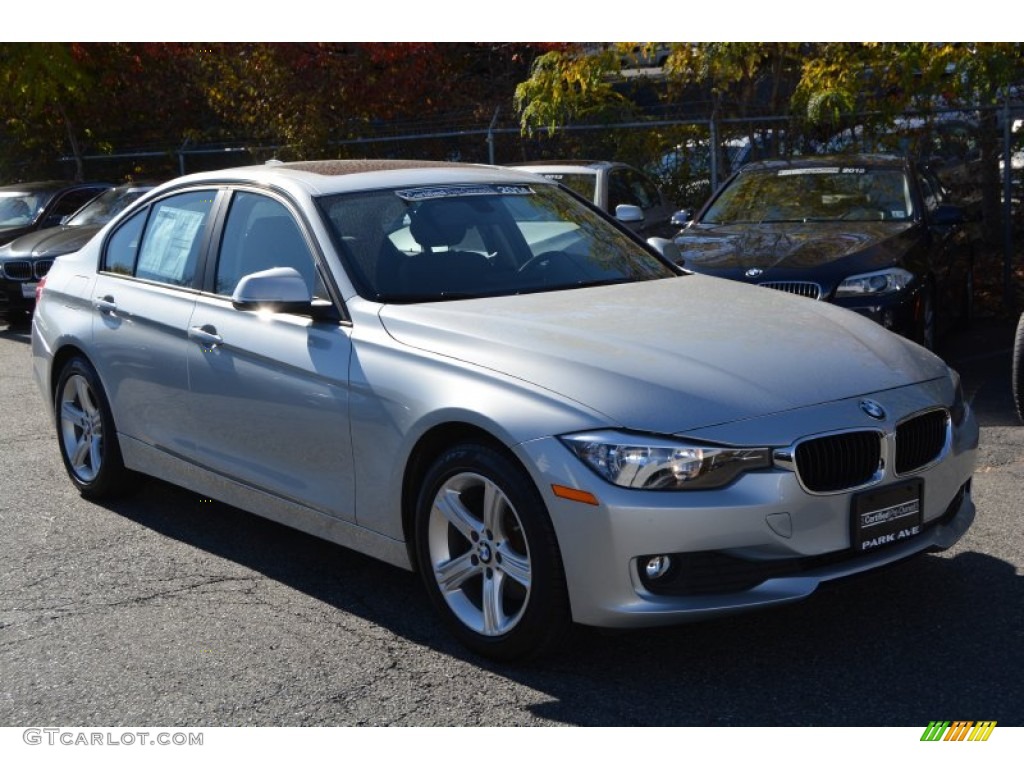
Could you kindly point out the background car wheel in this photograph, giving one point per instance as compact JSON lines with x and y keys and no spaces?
{"x":18,"y":320}
{"x":86,"y":434}
{"x":1018,"y":369}
{"x":488,"y":555}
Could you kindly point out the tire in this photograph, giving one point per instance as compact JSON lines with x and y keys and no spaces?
{"x":1018,"y":369}
{"x":18,"y":320}
{"x":86,"y":434}
{"x":488,"y":555}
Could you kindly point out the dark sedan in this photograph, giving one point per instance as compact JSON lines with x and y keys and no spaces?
{"x":36,"y":205}
{"x":29,"y":257}
{"x":873,"y":233}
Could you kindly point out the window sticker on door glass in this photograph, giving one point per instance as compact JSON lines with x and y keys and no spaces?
{"x":168,"y":243}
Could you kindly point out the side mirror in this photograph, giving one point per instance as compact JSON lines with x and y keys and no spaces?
{"x":281,"y":289}
{"x":667,"y":248}
{"x":948,"y":215}
{"x":629,"y":214}
{"x":681,"y":218}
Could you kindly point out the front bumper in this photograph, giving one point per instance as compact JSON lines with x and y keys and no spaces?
{"x":18,"y":292}
{"x":765,"y":520}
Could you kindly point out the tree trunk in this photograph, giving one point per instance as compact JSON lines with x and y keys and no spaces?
{"x":76,"y":151}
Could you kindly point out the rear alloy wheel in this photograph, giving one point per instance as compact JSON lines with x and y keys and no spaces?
{"x":85,"y":432}
{"x":1018,"y":369}
{"x":488,"y":556}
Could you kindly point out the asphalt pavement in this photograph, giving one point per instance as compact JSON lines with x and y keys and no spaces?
{"x":167,"y":609}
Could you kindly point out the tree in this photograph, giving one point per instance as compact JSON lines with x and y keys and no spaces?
{"x":41,"y":85}
{"x":570,"y":86}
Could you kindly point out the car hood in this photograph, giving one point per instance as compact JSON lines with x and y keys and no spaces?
{"x":55,"y":241}
{"x":793,"y":246}
{"x":671,"y":355}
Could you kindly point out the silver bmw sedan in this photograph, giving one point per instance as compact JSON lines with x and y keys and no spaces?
{"x":467,"y":372}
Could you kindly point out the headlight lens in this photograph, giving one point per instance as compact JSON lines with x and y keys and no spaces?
{"x":875,"y":283}
{"x":663,"y":463}
{"x":959,"y":407}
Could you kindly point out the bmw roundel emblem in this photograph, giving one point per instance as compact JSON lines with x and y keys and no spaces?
{"x":754,"y":272}
{"x":872,"y":409}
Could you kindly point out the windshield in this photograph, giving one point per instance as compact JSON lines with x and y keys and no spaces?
{"x":20,"y":208}
{"x":102,"y":209}
{"x":583,"y":184}
{"x":814,"y":194}
{"x":461,"y":241}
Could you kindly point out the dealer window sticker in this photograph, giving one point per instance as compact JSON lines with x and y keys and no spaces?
{"x":431,"y":193}
{"x":826,"y":171}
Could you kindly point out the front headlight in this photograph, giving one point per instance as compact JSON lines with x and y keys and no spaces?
{"x":663,"y":463}
{"x":958,"y":409}
{"x":875,"y":283}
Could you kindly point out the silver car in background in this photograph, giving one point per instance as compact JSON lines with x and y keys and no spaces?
{"x":464,"y":371}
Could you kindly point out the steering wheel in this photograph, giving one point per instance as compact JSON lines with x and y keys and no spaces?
{"x":541,"y":261}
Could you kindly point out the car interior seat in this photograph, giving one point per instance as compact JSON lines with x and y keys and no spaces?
{"x":438,"y":226}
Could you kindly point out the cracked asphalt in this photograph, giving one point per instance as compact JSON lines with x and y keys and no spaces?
{"x":167,"y":609}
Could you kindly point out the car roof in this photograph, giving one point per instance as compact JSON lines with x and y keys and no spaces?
{"x":322,"y":177}
{"x":49,"y":186}
{"x":570,"y":166}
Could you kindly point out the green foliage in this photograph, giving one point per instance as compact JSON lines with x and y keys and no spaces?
{"x":569,"y":87}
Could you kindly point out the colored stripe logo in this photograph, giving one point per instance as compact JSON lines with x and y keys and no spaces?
{"x":958,"y":730}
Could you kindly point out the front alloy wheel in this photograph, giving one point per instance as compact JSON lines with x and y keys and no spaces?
{"x":488,"y":555}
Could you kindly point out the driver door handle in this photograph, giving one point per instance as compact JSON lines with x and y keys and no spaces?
{"x":205,"y":335}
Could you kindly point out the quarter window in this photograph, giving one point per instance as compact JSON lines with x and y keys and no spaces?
{"x":123,"y":246}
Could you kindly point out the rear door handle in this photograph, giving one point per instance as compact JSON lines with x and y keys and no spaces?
{"x":205,"y":335}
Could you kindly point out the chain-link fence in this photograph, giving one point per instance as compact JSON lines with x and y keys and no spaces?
{"x":978,"y":152}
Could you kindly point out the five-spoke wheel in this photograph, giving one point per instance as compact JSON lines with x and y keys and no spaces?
{"x":487,"y":553}
{"x":85,"y":431}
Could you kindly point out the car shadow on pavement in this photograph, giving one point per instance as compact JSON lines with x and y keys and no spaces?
{"x":933,"y":638}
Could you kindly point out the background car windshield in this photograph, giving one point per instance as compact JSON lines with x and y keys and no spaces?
{"x":102,"y":209}
{"x":583,"y":184}
{"x":20,"y":209}
{"x":814,"y":194}
{"x":410,"y":245}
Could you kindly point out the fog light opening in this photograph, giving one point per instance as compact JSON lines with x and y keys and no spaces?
{"x":657,"y":566}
